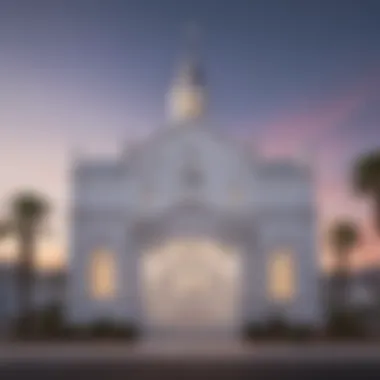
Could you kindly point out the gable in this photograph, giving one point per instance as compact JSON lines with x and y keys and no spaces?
{"x":174,"y":159}
{"x":174,"y":146}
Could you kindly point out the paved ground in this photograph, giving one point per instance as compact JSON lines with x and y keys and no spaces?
{"x":151,"y":360}
{"x":169,"y":351}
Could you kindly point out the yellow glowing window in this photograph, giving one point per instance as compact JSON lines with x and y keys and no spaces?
{"x":281,"y":276}
{"x":187,"y":103}
{"x":102,"y":274}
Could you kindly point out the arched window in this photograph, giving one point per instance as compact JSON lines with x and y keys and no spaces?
{"x":282,"y":275}
{"x":102,"y":274}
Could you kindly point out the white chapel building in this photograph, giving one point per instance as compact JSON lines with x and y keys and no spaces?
{"x":189,"y":231}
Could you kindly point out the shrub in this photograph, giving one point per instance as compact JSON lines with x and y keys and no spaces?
{"x":104,"y":329}
{"x":275,"y":330}
{"x":343,"y":325}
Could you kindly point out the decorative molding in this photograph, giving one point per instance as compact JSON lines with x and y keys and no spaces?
{"x":187,"y":218}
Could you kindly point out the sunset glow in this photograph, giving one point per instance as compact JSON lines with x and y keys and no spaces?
{"x":73,"y":82}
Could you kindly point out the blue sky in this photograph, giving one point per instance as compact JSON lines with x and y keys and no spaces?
{"x":282,"y":74}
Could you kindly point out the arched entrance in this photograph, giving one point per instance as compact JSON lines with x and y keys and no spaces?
{"x":191,"y":284}
{"x":191,"y":263}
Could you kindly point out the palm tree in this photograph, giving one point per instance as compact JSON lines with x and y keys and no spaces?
{"x":367,"y":181}
{"x":28,"y":211}
{"x":343,"y":237}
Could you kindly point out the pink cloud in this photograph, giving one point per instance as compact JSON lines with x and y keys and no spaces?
{"x":289,"y":133}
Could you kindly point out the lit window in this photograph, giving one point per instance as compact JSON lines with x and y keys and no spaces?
{"x":281,"y":276}
{"x":190,"y":281}
{"x":102,"y":274}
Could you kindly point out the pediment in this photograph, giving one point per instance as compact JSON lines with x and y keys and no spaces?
{"x":191,"y":147}
{"x":194,"y":219}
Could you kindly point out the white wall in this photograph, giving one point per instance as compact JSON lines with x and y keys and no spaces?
{"x":108,"y":197}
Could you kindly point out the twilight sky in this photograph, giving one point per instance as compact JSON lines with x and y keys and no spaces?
{"x":286,"y":76}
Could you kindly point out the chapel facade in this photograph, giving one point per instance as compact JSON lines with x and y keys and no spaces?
{"x":189,"y":231}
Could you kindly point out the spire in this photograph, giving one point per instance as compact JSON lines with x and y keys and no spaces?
{"x":186,"y":98}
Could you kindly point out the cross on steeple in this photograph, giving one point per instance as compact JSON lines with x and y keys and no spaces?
{"x":187,"y":94}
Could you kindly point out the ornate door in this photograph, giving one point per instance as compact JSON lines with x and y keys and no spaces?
{"x":191,"y":283}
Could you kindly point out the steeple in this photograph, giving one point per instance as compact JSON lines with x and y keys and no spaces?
{"x":186,"y":97}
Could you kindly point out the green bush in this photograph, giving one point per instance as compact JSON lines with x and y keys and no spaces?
{"x":343,"y":325}
{"x":49,"y":324}
{"x":46,"y":323}
{"x":104,"y":330}
{"x":277,"y":330}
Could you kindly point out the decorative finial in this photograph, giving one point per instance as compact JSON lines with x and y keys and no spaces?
{"x":186,"y":100}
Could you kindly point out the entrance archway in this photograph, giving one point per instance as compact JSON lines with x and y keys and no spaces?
{"x":191,"y":284}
